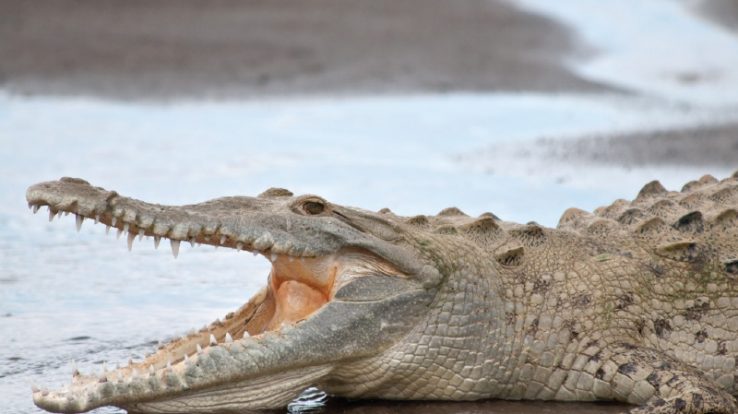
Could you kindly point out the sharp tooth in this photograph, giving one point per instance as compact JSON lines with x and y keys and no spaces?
{"x":222,"y":239}
{"x":157,"y":240}
{"x":192,"y":242}
{"x":228,"y":337}
{"x":78,"y":221}
{"x":175,"y":247}
{"x":246,"y":334}
{"x":113,"y":221}
{"x":118,"y":233}
{"x":199,"y":349}
{"x":140,"y":234}
{"x":97,"y":218}
{"x":239,"y":246}
{"x":35,"y":209}
{"x":66,"y":213}
{"x":126,"y":226}
{"x":255,"y":253}
{"x":131,"y":237}
{"x":212,"y":340}
{"x":51,"y":214}
{"x":30,"y":206}
{"x":274,"y":256}
{"x":107,"y":229}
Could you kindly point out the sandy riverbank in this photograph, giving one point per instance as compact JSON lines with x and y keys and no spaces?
{"x":233,"y":49}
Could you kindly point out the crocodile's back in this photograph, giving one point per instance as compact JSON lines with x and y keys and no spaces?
{"x":681,"y":225}
{"x":685,"y":245}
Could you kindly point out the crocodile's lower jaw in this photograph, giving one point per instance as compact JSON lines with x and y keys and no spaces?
{"x":296,"y":288}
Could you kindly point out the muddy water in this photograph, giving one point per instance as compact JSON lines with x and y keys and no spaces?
{"x":67,"y":296}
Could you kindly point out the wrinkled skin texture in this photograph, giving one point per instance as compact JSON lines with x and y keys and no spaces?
{"x":636,"y":302}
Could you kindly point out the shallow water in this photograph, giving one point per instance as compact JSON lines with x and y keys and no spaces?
{"x":66,"y":296}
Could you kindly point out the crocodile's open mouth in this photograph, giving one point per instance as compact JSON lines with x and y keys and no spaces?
{"x":296,"y":288}
{"x":332,"y":295}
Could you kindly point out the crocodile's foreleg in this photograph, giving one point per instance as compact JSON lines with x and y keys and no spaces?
{"x":658,"y":383}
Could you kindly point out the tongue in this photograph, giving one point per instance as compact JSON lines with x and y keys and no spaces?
{"x":295,"y":301}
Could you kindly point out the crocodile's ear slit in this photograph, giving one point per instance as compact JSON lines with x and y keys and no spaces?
{"x":690,"y":222}
{"x":651,"y":189}
{"x":512,"y":256}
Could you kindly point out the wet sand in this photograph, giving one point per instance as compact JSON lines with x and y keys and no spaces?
{"x":232,"y":49}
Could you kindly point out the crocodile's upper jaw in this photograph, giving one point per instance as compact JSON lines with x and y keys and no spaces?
{"x":283,"y":340}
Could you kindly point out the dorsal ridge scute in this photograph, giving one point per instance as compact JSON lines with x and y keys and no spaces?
{"x":653,"y":188}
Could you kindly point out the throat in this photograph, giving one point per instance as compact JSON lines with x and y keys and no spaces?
{"x":294,"y":302}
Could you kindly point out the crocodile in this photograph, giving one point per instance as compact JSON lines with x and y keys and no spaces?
{"x":634,"y":302}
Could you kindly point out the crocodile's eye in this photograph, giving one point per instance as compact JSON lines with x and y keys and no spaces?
{"x":313,"y":207}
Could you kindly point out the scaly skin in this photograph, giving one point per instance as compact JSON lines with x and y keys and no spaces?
{"x":637,"y":302}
